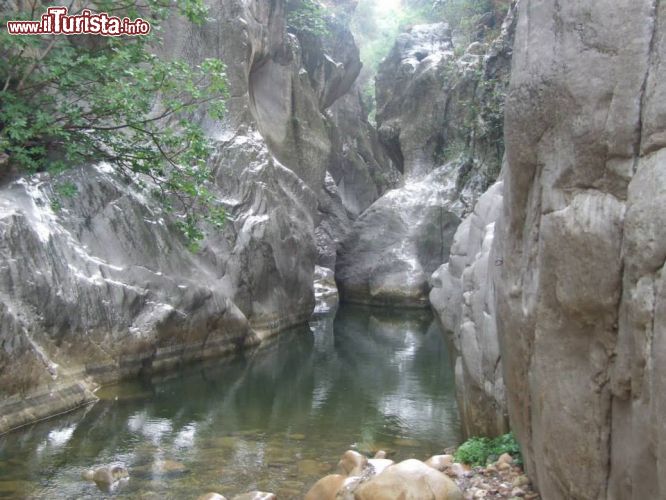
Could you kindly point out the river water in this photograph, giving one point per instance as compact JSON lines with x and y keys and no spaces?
{"x":275,"y":419}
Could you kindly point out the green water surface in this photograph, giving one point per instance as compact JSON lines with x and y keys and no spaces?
{"x":276,"y":419}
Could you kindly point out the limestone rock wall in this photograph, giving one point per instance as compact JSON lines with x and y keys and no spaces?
{"x":437,"y":117}
{"x":104,"y":287}
{"x":410,"y":101}
{"x":361,"y":168}
{"x":463,"y":298}
{"x":394,"y":247}
{"x":357,"y":171}
{"x":580,"y":297}
{"x":379,"y":261}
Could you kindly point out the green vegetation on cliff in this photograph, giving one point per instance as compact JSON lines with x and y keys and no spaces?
{"x":469,"y":20}
{"x":316,"y":19}
{"x":307,"y":16}
{"x":67,"y":101}
{"x":376,"y":25}
{"x":478,"y":451}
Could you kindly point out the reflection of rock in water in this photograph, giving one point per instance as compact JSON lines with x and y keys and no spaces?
{"x":326,"y":291}
{"x":365,"y":377}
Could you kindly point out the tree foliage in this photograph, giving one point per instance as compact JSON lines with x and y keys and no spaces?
{"x":72,"y":100}
{"x":308,"y":17}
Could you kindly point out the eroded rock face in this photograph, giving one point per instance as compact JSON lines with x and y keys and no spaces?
{"x":411,"y":70}
{"x":396,"y":245}
{"x":105,"y":287}
{"x":462,"y":295}
{"x":333,"y":74}
{"x":334,"y":225}
{"x":359,"y":172}
{"x":328,"y":127}
{"x":361,"y":168}
{"x":581,"y":292}
{"x":439,"y":120}
{"x":434,"y":106}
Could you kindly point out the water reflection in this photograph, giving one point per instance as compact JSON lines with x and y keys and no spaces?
{"x":276,"y":419}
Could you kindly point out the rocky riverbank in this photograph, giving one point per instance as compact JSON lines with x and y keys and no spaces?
{"x":438,"y":478}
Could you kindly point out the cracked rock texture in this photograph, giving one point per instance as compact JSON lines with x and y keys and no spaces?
{"x":581,"y":294}
{"x":105,"y":288}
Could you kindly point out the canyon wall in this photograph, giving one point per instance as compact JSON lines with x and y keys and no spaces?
{"x":439,"y":119}
{"x":101,"y":285}
{"x":555,"y":285}
{"x":573,"y":283}
{"x":582,"y":237}
{"x":463,"y":297}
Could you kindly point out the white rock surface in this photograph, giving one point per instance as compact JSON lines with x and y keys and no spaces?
{"x":462,"y":295}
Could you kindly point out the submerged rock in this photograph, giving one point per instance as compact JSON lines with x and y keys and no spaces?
{"x":212,"y":496}
{"x":256,"y":495}
{"x":107,"y":478}
{"x":169,"y":467}
{"x":106,"y":475}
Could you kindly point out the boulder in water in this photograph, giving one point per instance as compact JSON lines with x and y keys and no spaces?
{"x":352,"y":463}
{"x":106,"y":478}
{"x":326,"y":488}
{"x":409,"y":480}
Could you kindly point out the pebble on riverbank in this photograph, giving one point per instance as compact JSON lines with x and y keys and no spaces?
{"x":499,"y":480}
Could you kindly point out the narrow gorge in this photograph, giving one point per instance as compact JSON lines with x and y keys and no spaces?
{"x":443,"y":223}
